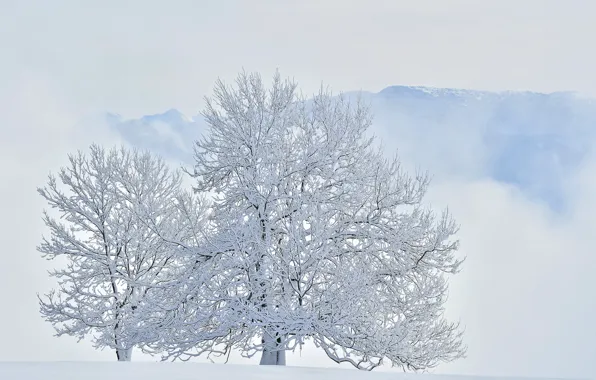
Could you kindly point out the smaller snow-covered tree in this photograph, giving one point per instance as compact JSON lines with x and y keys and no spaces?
{"x":119,"y":210}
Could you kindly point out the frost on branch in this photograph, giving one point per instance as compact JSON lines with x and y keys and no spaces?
{"x":313,"y":235}
{"x":119,"y":211}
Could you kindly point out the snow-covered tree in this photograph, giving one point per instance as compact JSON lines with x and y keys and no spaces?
{"x":313,"y":235}
{"x":121,"y":214}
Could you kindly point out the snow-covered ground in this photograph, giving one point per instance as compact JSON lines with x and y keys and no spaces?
{"x":196,"y":371}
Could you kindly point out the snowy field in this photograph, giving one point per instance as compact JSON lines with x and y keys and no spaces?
{"x":197,"y":371}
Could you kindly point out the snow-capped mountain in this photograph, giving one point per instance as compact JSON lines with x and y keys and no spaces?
{"x":530,"y":140}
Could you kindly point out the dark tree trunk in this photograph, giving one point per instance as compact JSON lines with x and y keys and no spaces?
{"x":273,"y":353}
{"x":124,"y":355}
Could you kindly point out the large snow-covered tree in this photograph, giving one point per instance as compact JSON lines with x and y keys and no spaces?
{"x":313,"y":235}
{"x":118,"y":213}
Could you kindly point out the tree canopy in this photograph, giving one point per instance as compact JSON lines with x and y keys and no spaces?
{"x":313,"y":234}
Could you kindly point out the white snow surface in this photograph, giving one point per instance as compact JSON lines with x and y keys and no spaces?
{"x":200,"y":371}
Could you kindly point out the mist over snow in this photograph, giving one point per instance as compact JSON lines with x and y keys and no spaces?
{"x":191,"y":371}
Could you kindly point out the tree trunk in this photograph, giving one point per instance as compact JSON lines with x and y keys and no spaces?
{"x":273,"y":353}
{"x":124,"y":355}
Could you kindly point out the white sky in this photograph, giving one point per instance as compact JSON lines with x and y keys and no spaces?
{"x":526,"y":293}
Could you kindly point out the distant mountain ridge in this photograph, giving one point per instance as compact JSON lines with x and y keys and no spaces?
{"x":526,"y":139}
{"x":438,"y":91}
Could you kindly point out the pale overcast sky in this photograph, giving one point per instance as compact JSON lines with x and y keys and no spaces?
{"x":526,"y":293}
